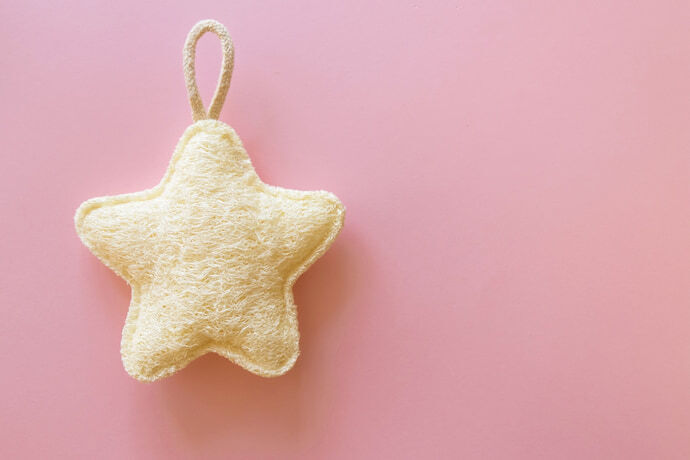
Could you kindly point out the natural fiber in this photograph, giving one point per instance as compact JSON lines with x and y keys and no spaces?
{"x":211,"y":253}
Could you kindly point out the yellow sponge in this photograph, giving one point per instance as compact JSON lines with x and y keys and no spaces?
{"x":211,"y":253}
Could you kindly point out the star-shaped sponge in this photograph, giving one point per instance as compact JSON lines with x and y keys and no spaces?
{"x":211,"y":255}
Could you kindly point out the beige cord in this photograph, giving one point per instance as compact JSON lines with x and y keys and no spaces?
{"x":189,"y":53}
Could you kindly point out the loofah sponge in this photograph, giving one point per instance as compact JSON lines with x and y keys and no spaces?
{"x":211,"y":253}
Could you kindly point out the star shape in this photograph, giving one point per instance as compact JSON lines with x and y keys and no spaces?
{"x":211,"y":254}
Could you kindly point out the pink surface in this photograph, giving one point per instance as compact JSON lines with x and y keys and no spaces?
{"x":513,"y":279}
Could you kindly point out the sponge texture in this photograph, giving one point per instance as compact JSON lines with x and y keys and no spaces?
{"x":211,"y":255}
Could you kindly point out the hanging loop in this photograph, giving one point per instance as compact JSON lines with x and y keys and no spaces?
{"x":189,"y":54}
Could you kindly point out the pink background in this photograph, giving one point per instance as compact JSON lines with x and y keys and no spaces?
{"x":513,"y":279}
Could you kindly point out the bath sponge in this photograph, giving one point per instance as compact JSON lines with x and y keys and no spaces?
{"x":211,"y":253}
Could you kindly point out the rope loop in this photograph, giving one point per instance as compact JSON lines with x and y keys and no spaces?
{"x":189,"y":54}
